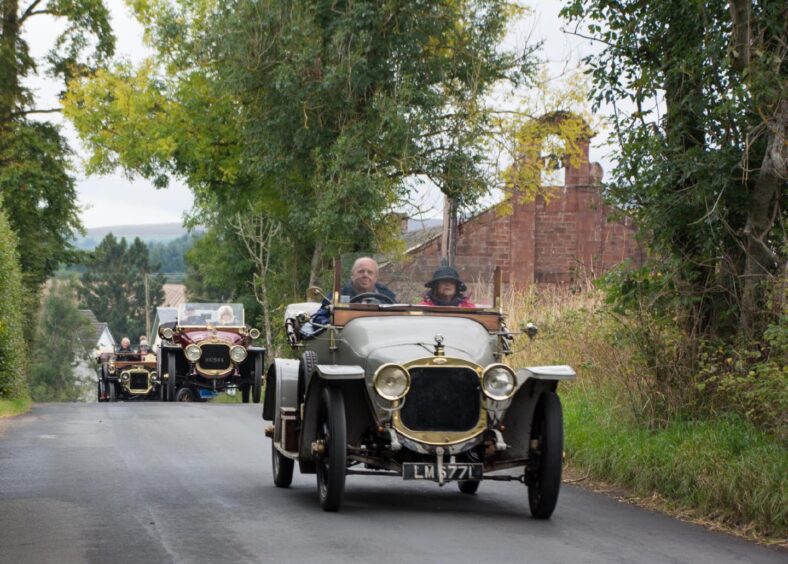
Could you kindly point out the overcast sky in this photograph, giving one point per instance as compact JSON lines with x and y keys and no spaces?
{"x":116,"y":200}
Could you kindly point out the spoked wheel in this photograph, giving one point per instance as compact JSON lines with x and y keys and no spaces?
{"x":282,"y":468}
{"x":545,"y":479}
{"x":171,"y":377}
{"x":257,"y":379}
{"x":332,"y":434}
{"x":468,"y":486}
{"x":162,"y":391}
{"x":112,"y":394}
{"x":185,"y":394}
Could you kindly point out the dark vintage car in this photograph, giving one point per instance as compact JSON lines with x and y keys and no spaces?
{"x":414,"y":391}
{"x":128,"y":376}
{"x":209,"y":349}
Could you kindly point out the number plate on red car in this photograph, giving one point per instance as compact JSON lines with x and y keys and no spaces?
{"x":451,"y":471}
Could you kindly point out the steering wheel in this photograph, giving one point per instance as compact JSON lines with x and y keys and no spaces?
{"x":371,"y":298}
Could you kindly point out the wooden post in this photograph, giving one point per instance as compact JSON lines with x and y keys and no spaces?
{"x":497,"y":287}
{"x":337,"y":279}
{"x":147,"y":304}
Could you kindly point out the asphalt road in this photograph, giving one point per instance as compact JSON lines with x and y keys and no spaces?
{"x":147,"y":483}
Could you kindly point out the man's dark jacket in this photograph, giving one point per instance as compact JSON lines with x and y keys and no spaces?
{"x":347,"y":290}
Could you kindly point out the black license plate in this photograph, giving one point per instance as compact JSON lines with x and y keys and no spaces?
{"x":451,"y":471}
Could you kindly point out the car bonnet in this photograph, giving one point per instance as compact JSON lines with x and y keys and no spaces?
{"x":405,"y":338}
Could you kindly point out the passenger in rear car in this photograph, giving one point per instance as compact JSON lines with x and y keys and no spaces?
{"x":125,"y":346}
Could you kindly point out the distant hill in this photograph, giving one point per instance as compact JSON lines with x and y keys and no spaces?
{"x":428,"y":223}
{"x":151,"y":233}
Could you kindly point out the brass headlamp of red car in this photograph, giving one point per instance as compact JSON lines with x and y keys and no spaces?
{"x":193,"y":353}
{"x":238,"y":354}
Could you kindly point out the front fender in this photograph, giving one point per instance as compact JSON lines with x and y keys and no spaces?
{"x":532,"y":382}
{"x":339,"y":372}
{"x":554,"y":373}
{"x":281,"y":388}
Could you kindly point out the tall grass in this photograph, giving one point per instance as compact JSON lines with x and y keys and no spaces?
{"x":719,"y":465}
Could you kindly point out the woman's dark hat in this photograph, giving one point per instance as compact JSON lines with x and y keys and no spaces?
{"x":446,"y":273}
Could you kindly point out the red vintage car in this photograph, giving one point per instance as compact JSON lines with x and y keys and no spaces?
{"x":209,"y":349}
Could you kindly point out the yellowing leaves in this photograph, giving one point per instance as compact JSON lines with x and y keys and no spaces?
{"x":550,"y":132}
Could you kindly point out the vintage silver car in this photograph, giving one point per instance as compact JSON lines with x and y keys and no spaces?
{"x":419,"y":392}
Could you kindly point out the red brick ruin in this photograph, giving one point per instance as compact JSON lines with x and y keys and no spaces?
{"x":565,"y":240}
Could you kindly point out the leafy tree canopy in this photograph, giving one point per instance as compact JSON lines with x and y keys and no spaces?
{"x":171,"y":256}
{"x":113,"y":286}
{"x":35,"y":179}
{"x":322,"y":114}
{"x":40,"y":197}
{"x":700,"y":124}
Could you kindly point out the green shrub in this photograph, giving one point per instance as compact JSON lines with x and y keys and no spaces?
{"x":645,"y":420}
{"x":12,"y":343}
{"x":749,"y":379}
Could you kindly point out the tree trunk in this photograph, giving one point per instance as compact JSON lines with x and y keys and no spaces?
{"x":741,"y":11}
{"x":267,"y":331}
{"x":9,"y":58}
{"x":315,"y":264}
{"x":450,"y":232}
{"x":762,"y":212}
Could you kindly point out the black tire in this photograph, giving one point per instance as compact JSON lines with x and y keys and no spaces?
{"x":548,"y":429}
{"x":185,"y":395}
{"x":281,"y":467}
{"x":102,"y":383}
{"x":113,"y":391}
{"x":162,"y":391}
{"x":468,"y":486}
{"x":331,"y":468}
{"x":257,"y":379}
{"x":305,"y":369}
{"x":245,"y":394}
{"x":172,"y":376}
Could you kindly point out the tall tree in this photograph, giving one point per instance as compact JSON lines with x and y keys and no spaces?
{"x":114,"y":285}
{"x":34,"y":158}
{"x":326,"y":113}
{"x":63,"y":336}
{"x":703,"y":159}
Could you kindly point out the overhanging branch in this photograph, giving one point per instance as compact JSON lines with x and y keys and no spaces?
{"x":28,"y":112}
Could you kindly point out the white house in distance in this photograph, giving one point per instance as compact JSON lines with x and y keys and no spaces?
{"x":102,"y":341}
{"x":105,"y":342}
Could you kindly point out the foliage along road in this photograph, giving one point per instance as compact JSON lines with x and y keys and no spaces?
{"x":190,"y":483}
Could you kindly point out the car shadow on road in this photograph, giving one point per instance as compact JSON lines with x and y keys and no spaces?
{"x":364,"y":498}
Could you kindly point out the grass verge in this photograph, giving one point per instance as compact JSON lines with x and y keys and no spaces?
{"x":723,"y":468}
{"x":11,"y":407}
{"x":226,"y":398}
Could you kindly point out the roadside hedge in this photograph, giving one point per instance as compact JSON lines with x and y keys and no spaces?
{"x":12,"y":344}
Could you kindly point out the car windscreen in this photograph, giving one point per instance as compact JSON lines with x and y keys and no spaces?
{"x":216,"y":314}
{"x":418,"y":282}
